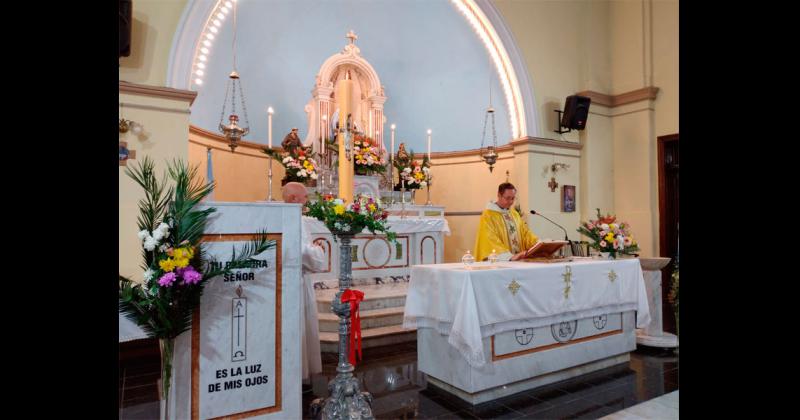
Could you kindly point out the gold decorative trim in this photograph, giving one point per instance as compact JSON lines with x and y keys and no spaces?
{"x":157,"y":91}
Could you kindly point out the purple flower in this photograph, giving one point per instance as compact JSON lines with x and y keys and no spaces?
{"x":167,"y":279}
{"x":190,"y":275}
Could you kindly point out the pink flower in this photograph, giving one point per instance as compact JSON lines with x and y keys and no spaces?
{"x":167,"y":279}
{"x":603,"y":244}
{"x":191,"y":276}
{"x":628,"y":241}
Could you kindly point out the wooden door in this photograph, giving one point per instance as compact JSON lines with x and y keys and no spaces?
{"x":669,"y":216}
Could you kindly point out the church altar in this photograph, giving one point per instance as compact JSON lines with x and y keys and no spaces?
{"x":420,"y":240}
{"x":495,"y":330}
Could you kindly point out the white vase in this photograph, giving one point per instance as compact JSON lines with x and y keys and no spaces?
{"x":605,"y":255}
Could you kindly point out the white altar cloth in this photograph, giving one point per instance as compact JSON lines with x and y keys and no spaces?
{"x":469,"y":305}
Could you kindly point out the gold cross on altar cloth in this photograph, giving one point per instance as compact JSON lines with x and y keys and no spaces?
{"x":567,"y":281}
{"x":612,"y":276}
{"x":514,"y":287}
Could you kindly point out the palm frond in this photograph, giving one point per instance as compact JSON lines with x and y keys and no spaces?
{"x":167,"y":311}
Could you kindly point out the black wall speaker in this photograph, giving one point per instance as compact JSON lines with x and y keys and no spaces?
{"x":125,"y":26}
{"x":576,"y":111}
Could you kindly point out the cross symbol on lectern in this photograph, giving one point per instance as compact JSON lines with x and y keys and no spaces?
{"x":238,"y":317}
{"x":351,"y":36}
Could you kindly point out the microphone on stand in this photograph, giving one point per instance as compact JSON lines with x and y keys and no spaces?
{"x":566,"y":237}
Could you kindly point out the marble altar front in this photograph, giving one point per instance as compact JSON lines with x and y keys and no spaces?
{"x":495,"y":330}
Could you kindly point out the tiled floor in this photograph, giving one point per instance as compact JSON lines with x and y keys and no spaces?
{"x":399,"y":390}
{"x":663,"y":407}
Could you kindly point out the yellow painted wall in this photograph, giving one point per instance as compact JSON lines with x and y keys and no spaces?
{"x":541,"y":198}
{"x":597,"y":163}
{"x":154,"y":24}
{"x":644,"y":52}
{"x":241,"y":176}
{"x":636,"y":195}
{"x":551,"y":36}
{"x":627,"y":44}
{"x":665,"y":65}
{"x":165,"y":137}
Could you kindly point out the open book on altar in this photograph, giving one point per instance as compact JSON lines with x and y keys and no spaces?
{"x":544,"y":250}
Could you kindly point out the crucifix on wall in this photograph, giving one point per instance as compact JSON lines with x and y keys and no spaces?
{"x":552,"y":184}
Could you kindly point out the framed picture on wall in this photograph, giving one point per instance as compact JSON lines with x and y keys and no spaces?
{"x":568,"y":198}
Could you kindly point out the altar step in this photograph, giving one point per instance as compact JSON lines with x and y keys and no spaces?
{"x":381,"y":314}
{"x":376,"y":318}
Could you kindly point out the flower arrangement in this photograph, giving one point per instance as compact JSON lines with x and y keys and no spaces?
{"x":350,"y":219}
{"x":413,"y":174}
{"x":300,"y":166}
{"x":609,"y":236}
{"x":369,"y":158}
{"x":175,"y":271}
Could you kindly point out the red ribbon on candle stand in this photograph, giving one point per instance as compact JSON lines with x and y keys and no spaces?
{"x":354,"y":297}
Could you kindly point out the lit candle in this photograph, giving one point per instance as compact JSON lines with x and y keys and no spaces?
{"x":391,"y":151}
{"x":429,"y":145}
{"x":324,"y":131}
{"x":270,"y":111}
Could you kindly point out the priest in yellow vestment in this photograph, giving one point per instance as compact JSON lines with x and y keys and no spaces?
{"x":502,"y":228}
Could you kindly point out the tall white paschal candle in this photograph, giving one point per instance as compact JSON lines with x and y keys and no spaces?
{"x":270,"y":111}
{"x":429,"y":144}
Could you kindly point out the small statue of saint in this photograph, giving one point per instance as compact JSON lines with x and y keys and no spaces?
{"x":292,"y":142}
{"x":402,"y":156}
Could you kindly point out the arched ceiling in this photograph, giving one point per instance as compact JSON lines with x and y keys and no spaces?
{"x":435,"y":68}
